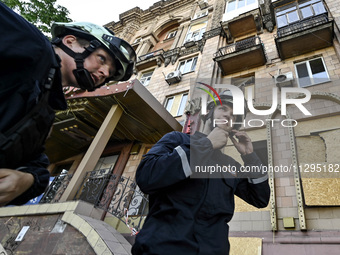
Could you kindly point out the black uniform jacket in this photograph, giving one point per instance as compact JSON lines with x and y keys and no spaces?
{"x":26,"y":56}
{"x":189,"y":215}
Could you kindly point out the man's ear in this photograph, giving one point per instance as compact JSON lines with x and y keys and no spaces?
{"x":69,"y":40}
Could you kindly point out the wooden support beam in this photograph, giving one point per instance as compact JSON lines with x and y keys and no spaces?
{"x":94,"y":152}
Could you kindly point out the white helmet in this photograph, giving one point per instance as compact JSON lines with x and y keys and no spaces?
{"x":226,"y":98}
{"x":121,"y":51}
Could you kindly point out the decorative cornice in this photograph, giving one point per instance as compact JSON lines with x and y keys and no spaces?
{"x":157,"y":9}
{"x":268,"y":16}
{"x":218,"y":31}
{"x":172,"y":55}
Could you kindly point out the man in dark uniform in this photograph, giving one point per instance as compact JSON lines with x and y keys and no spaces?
{"x":33,"y":72}
{"x":189,"y":212}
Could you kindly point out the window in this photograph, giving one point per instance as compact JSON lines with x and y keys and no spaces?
{"x":187,"y":65}
{"x":146,"y":77}
{"x":236,"y":4}
{"x":311,"y":72}
{"x":171,"y":34}
{"x":182,"y":105}
{"x":176,"y":104}
{"x":195,"y":32}
{"x":298,"y":11}
{"x":106,"y":162}
{"x":169,"y":103}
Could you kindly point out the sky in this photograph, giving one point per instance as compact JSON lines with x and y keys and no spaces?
{"x":101,"y":12}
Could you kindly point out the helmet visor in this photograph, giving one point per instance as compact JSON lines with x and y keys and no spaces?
{"x":122,"y":50}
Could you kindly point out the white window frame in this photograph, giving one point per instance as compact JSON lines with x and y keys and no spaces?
{"x":146,"y":77}
{"x":185,"y":61}
{"x":181,"y":106}
{"x":237,"y":5}
{"x":167,"y":106}
{"x":195,"y":35}
{"x":171,"y":34}
{"x":310,"y":74}
{"x":296,"y":7}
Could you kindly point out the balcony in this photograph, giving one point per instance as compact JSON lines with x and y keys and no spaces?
{"x":150,"y":59}
{"x":116,"y":195}
{"x":305,"y":36}
{"x":244,"y":24}
{"x":240,"y":56}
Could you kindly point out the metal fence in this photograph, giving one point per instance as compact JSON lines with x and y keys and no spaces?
{"x":117,"y":195}
{"x":239,"y":46}
{"x":56,"y":189}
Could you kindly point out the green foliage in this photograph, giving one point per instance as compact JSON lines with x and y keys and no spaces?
{"x":41,"y":13}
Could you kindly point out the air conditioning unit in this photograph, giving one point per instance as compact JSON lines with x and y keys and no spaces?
{"x":173,"y":77}
{"x":284,"y":80}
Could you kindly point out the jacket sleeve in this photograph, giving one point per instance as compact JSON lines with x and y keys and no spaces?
{"x":165,"y":164}
{"x":41,"y":176}
{"x":253,"y":187}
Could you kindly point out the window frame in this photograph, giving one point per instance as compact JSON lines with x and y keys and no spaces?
{"x":297,"y":7}
{"x":147,"y":78}
{"x":199,"y":31}
{"x":167,"y":102}
{"x":173,"y":34}
{"x":237,"y":5}
{"x":185,"y":61}
{"x":181,"y":105}
{"x":310,"y":74}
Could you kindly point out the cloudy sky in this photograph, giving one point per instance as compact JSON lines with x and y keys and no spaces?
{"x":101,"y":12}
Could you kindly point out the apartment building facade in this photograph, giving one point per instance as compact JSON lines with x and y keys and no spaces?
{"x":264,"y":48}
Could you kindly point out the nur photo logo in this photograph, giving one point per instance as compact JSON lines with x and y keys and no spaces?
{"x":286,"y":98}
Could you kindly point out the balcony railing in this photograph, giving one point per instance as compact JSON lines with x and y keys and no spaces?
{"x":238,"y":46}
{"x":151,"y":55}
{"x":56,"y":189}
{"x":302,"y":25}
{"x":119,"y":196}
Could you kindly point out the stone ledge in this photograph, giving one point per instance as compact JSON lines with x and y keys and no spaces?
{"x":84,"y":217}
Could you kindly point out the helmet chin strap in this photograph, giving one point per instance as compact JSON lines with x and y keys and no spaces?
{"x":82,"y":75}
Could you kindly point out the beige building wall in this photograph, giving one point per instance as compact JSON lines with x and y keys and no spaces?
{"x":312,"y":141}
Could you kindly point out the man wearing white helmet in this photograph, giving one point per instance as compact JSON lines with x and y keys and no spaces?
{"x":32,"y":73}
{"x":106,"y":57}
